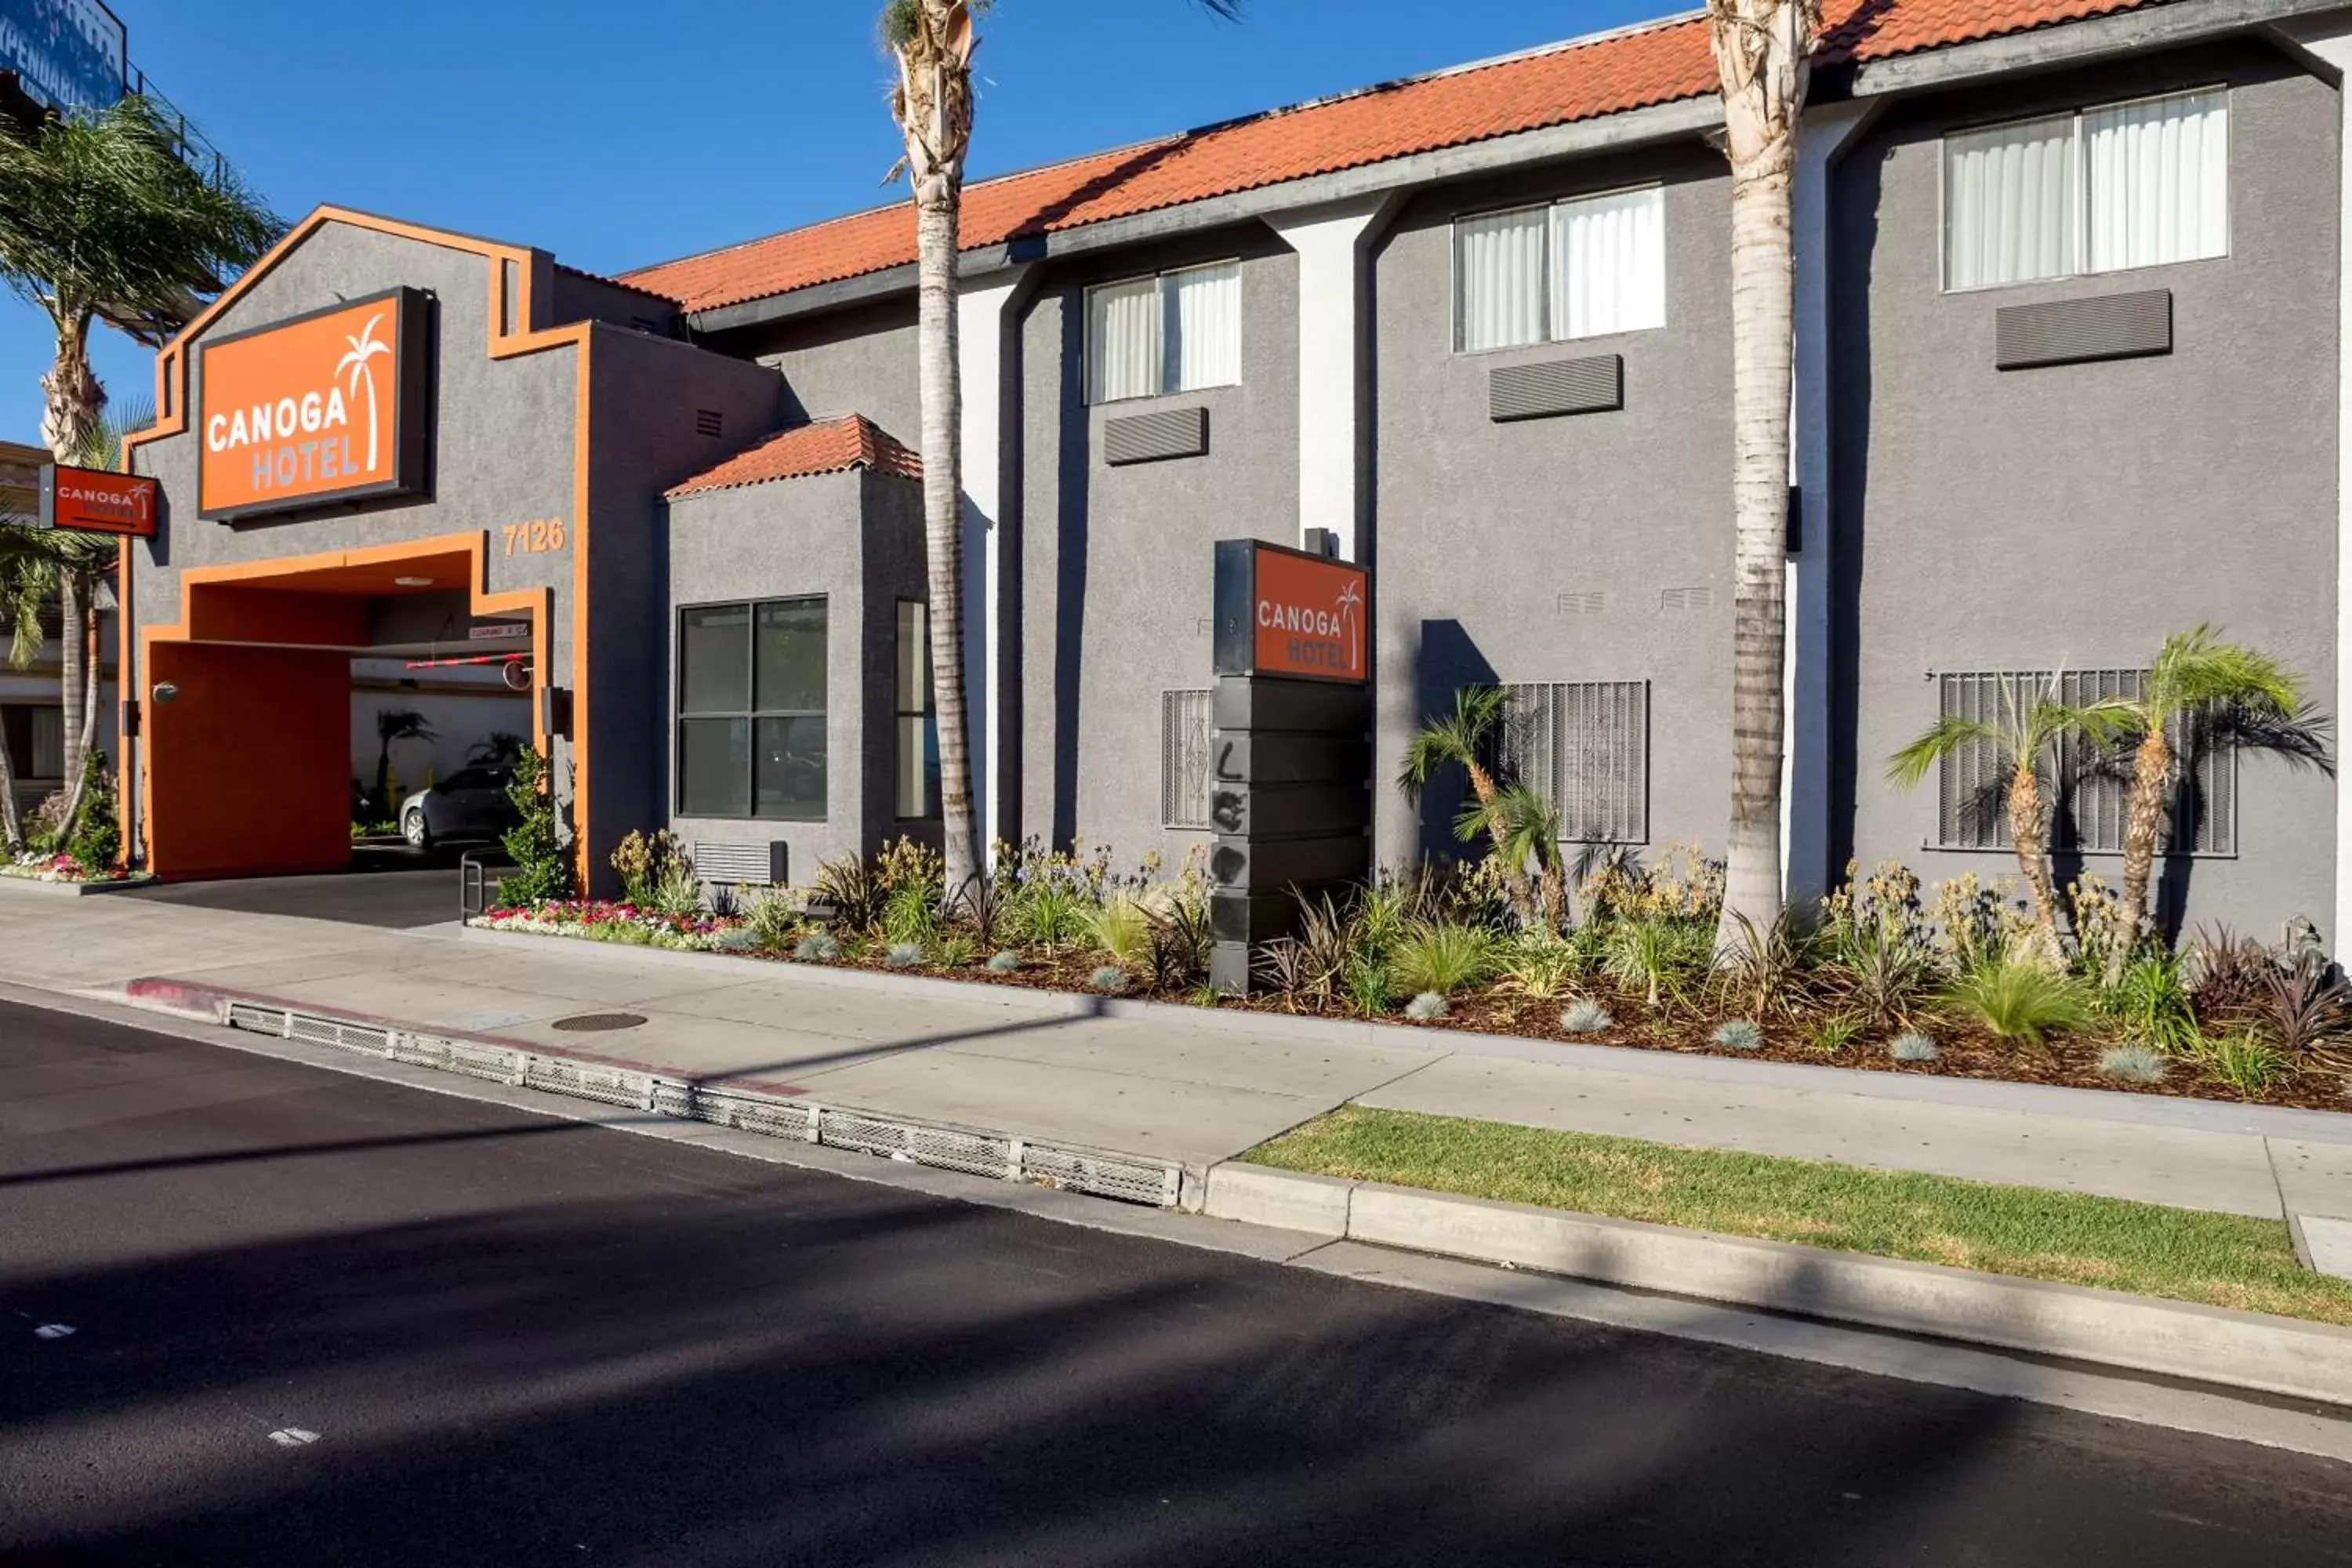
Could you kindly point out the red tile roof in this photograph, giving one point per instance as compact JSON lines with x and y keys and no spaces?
{"x":1580,"y":80}
{"x":828,"y":446}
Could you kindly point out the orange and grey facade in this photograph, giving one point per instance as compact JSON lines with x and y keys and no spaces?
{"x":2026,"y":440}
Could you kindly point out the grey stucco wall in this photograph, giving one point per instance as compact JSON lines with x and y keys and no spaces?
{"x":501,"y":449}
{"x":857,"y":539}
{"x":859,"y":360}
{"x":1116,"y":564}
{"x":643,"y":439}
{"x":579,"y":297}
{"x":1479,"y":528}
{"x":2071,"y":516}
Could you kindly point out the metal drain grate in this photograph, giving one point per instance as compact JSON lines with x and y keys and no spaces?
{"x":1103,"y":1175}
{"x":607,"y":1086}
{"x":598,"y":1022}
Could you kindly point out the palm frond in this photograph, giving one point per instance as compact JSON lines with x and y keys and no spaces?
{"x":1948,"y":734}
{"x":1453,"y":737}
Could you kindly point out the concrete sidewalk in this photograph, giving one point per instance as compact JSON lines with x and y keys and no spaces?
{"x":1173,"y":1083}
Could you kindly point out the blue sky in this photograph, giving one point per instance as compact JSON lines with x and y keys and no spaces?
{"x":585,"y":128}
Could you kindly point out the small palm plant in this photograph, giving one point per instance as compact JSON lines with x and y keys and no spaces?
{"x":2194,"y":670}
{"x":1528,"y":831}
{"x":394,"y":724}
{"x":1459,"y":739}
{"x":2032,"y":723}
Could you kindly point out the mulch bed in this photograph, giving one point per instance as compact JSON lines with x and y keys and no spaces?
{"x":2069,"y":1063}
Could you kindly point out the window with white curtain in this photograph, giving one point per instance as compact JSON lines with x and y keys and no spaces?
{"x":1176,"y":332}
{"x":2139,"y":184}
{"x":1577,"y":268}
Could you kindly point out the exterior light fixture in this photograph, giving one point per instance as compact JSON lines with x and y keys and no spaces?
{"x":165,"y":691}
{"x":411,"y":581}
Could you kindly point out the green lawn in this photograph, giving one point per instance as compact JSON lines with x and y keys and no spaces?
{"x":2224,"y":1260}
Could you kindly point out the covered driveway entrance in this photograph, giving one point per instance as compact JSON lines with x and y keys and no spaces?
{"x":244,"y":751}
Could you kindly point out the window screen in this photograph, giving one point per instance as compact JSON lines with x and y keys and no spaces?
{"x":1185,"y":759}
{"x":1584,"y":746}
{"x":751,"y":736}
{"x":2087,"y":809}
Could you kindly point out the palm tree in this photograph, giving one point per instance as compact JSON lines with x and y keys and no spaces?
{"x":2195,"y":670}
{"x":1459,"y":739}
{"x":98,"y":216}
{"x":932,"y":41}
{"x":1530,"y":832}
{"x":394,"y":724}
{"x":364,"y":347}
{"x":2027,"y":735}
{"x":1762,"y":49}
{"x":21,"y":597}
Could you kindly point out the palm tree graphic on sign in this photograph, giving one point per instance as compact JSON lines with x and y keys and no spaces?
{"x":1350,"y":607}
{"x":364,"y":347}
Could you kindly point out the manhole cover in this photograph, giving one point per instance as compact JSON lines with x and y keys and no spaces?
{"x":597,"y":1022}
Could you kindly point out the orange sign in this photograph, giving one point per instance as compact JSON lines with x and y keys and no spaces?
{"x":1285,"y":612}
{"x":324,"y":407}
{"x":92,"y":501}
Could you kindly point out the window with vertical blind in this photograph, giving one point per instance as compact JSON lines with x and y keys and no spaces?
{"x":1585,"y":747}
{"x":1184,"y":758}
{"x":2138,"y":184}
{"x":916,"y":729}
{"x":1174,"y":331}
{"x":2087,"y":807}
{"x":752,"y":710}
{"x":1577,"y":268}
{"x":48,"y":744}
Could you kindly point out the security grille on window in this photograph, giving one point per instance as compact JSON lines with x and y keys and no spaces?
{"x":2126,"y":184}
{"x":751,"y":710}
{"x":1185,"y":759}
{"x":1584,"y":746}
{"x":1178,"y":331}
{"x":2090,"y":794}
{"x":1577,"y":269}
{"x":917,"y":727}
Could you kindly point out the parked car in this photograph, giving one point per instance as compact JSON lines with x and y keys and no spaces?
{"x":469,"y":804}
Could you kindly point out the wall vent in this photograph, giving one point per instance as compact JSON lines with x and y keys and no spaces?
{"x":1580,"y":603}
{"x":709,"y":422}
{"x":754,"y":864}
{"x":1675,"y":601}
{"x":2077,"y":332}
{"x":1540,"y":391}
{"x":1150,"y":437}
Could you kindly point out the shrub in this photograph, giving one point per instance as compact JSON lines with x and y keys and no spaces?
{"x":956,"y":950}
{"x":910,"y":913}
{"x":1427,"y":1007}
{"x":1369,"y":987}
{"x":738,"y":939}
{"x":1739,"y":1035}
{"x":1004,"y":962}
{"x":677,"y":893}
{"x":2307,"y":1002}
{"x":2131,"y":1064}
{"x":1050,"y":914}
{"x":1886,"y":968}
{"x":644,"y":864}
{"x":1913,"y":1046}
{"x":818,"y":947}
{"x":856,"y":894}
{"x":2017,"y":999}
{"x":1834,"y":1031}
{"x":538,"y":845}
{"x":2229,"y":975}
{"x":2150,"y":1004}
{"x":1586,"y":1016}
{"x":1542,"y":968}
{"x":1111,"y":978}
{"x":96,"y":841}
{"x":1659,"y":955}
{"x":904,"y":954}
{"x":772,"y":919}
{"x":2244,"y":1061}
{"x":1178,"y":943}
{"x":1443,"y":957}
{"x":1120,"y":929}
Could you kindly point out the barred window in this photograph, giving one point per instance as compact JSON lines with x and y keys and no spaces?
{"x":2089,"y":800}
{"x":1184,"y":758}
{"x":1584,"y":746}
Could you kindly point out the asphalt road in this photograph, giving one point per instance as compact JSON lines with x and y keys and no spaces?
{"x":392,"y":888}
{"x":521,"y":1340}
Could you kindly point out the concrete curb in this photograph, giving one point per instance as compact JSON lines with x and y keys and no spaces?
{"x":2173,"y":1339}
{"x":2027,"y":1098}
{"x":78,"y":890}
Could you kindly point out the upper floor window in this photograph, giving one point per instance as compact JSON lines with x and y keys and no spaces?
{"x":2126,"y":185}
{"x":1577,"y":269}
{"x":1177,"y":332}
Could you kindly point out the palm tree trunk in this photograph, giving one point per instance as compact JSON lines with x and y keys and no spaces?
{"x":936,"y":224}
{"x":72,"y":399}
{"x":12,"y":827}
{"x":2029,"y":834}
{"x":1760,"y":50}
{"x":78,"y":774}
{"x":73,"y":656}
{"x":2143,"y":820}
{"x":1514,"y":878}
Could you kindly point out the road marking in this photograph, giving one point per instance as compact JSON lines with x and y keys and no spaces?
{"x":292,"y":1437}
{"x":53,"y":1330}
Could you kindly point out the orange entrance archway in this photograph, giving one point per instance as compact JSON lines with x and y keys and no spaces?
{"x":247,"y":770}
